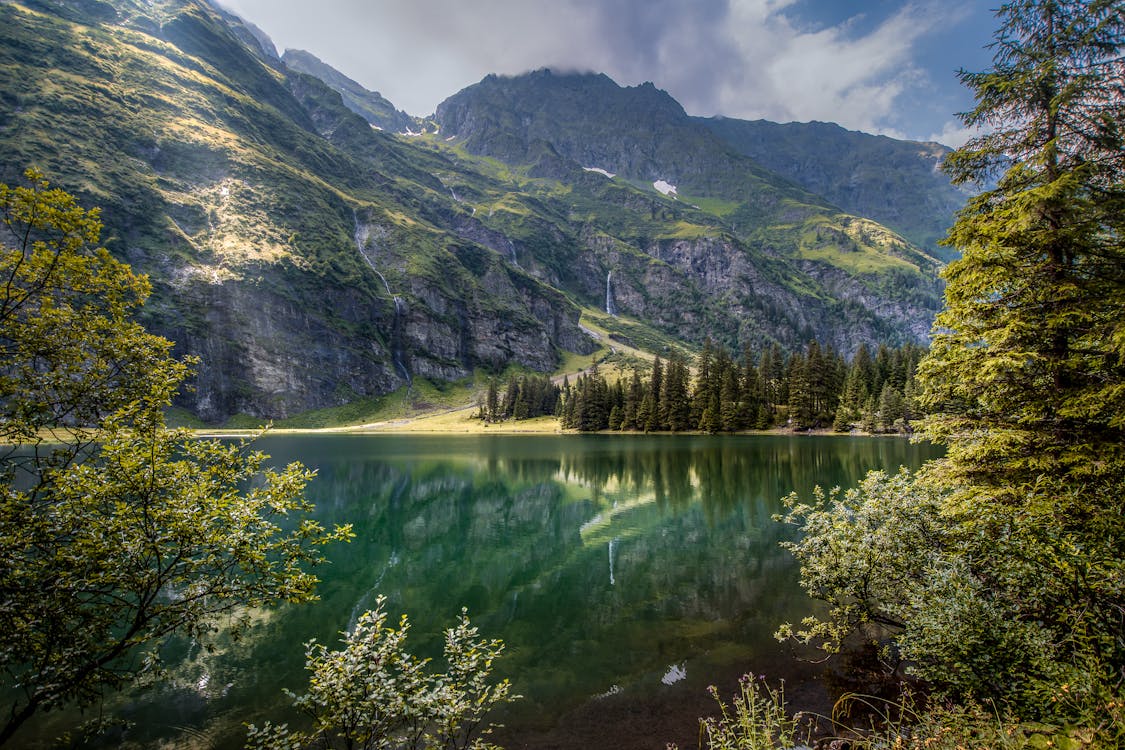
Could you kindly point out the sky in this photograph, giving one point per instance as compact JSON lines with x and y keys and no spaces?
{"x":881,"y":66}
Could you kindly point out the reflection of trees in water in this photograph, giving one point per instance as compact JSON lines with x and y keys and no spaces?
{"x":519,"y":530}
{"x":523,"y":540}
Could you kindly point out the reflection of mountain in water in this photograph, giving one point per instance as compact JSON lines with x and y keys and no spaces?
{"x":520,"y":534}
{"x":524,"y":533}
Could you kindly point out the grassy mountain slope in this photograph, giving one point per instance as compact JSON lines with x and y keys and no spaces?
{"x":311,"y":260}
{"x":897,"y":183}
{"x":276,"y":256}
{"x":370,"y":105}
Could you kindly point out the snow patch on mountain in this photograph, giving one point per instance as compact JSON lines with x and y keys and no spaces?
{"x":599,"y":170}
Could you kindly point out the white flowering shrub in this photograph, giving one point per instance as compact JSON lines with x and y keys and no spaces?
{"x":374,"y":694}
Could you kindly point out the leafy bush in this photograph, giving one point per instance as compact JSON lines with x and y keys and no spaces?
{"x":373,"y":694}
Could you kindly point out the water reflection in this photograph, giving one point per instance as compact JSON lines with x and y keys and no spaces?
{"x":604,"y":562}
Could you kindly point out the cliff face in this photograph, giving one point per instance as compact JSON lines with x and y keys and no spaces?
{"x":227,"y":180}
{"x":310,"y":259}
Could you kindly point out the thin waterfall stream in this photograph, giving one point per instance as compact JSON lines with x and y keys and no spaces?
{"x":397,"y":334}
{"x":610,"y":303}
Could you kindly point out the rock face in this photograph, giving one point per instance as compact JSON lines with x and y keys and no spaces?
{"x":370,"y":105}
{"x":242,"y":192}
{"x":309,"y":259}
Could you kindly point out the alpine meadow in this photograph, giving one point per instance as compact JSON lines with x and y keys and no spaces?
{"x":724,"y":432}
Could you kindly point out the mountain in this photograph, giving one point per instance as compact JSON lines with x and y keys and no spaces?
{"x":370,"y":105}
{"x":303,"y":275}
{"x":311,"y":260}
{"x":897,"y":183}
{"x":554,"y":125}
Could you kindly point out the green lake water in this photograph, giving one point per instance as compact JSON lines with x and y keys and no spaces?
{"x":624,"y":573}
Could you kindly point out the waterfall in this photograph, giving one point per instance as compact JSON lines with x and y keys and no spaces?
{"x":610,"y":306}
{"x":512,"y":253}
{"x":362,"y":236}
{"x":454,"y":195}
{"x":396,"y":342}
{"x":612,"y":542}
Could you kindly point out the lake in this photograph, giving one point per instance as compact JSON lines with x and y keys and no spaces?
{"x":624,"y":573}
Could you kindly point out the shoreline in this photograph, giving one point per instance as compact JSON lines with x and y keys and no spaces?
{"x":456,"y":422}
{"x":406,"y":427}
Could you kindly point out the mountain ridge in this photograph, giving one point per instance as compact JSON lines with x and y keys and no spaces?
{"x":311,"y":260}
{"x":370,"y":105}
{"x":898,"y":183}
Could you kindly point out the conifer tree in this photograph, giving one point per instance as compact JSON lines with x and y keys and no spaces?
{"x":1004,"y":564}
{"x":766,"y":378}
{"x":653,"y":417}
{"x":521,"y":409}
{"x":751,"y":392}
{"x":510,"y":396}
{"x":722,"y":366}
{"x":633,"y":396}
{"x":891,"y":407}
{"x":676,"y":399}
{"x":730,"y":415}
{"x":646,"y":414}
{"x":703,"y":392}
{"x":870,"y":420}
{"x":800,"y":397}
{"x":881,"y":369}
{"x":865,"y":375}
{"x":1027,"y":371}
{"x":491,"y":402}
{"x":855,"y":392}
{"x":842,"y":421}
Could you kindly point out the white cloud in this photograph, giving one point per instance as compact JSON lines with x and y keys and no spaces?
{"x":953,"y":134}
{"x":826,"y":74}
{"x":740,"y":58}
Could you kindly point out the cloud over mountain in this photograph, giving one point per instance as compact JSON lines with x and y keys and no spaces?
{"x":741,"y":58}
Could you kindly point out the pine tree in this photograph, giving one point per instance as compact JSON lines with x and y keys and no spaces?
{"x":633,"y":396}
{"x":865,"y":375}
{"x":818,"y":382}
{"x":891,"y":407}
{"x":751,"y":392}
{"x":800,"y":395}
{"x":1027,"y":372}
{"x":676,"y":398}
{"x":881,"y":369}
{"x":510,"y":396}
{"x":703,"y":393}
{"x":646,"y":415}
{"x":870,"y":421}
{"x":730,"y":414}
{"x":521,"y":409}
{"x":1006,"y":557}
{"x":855,"y":392}
{"x":653,"y":417}
{"x":842,"y":421}
{"x":491,"y":402}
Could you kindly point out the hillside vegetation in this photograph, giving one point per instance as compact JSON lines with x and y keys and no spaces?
{"x":312,"y":260}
